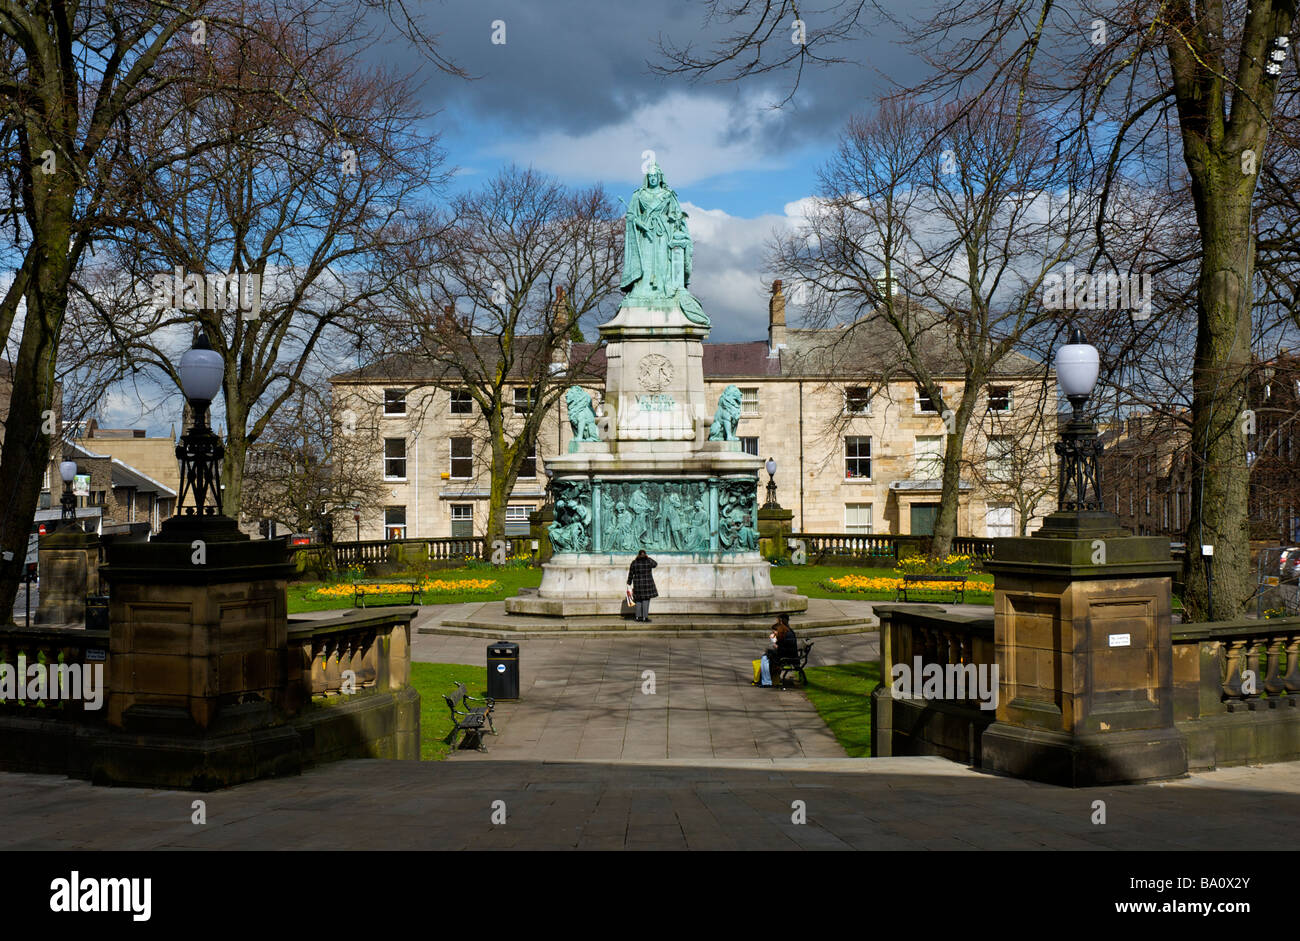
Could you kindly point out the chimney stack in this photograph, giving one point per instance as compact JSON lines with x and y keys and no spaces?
{"x":776,"y":338}
{"x":561,"y":352}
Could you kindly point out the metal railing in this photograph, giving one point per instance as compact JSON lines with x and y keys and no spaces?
{"x":824,"y":548}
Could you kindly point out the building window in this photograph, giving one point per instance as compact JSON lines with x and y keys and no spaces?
{"x":1166,"y":512}
{"x":999,"y":522}
{"x":45,"y":500}
{"x":462,"y":520}
{"x":97,"y":498}
{"x":924,"y":404}
{"x":45,"y":480}
{"x":394,"y":401}
{"x":517,"y":519}
{"x":1148,"y":502}
{"x":523,"y":399}
{"x":857,"y":400}
{"x":394,"y":459}
{"x":857,"y":457}
{"x":750,"y":445}
{"x":462,"y":403}
{"x":462,"y":458}
{"x":929,"y":456}
{"x":749,"y":401}
{"x":857,"y":518}
{"x":999,"y":398}
{"x":529,"y":467}
{"x":1000,"y":451}
{"x":394,"y":522}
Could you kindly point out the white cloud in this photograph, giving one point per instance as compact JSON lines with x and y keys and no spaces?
{"x":693,"y":137}
{"x":730,"y":275}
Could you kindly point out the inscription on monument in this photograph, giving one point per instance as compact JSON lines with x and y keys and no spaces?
{"x":660,"y":402}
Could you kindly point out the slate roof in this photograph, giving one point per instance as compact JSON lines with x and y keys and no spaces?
{"x":864,"y":350}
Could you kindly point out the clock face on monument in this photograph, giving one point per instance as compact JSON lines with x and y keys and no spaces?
{"x":655,"y":372}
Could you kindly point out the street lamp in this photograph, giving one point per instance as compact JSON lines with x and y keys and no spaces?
{"x":68,"y":503}
{"x":771,"y":503}
{"x":1079,"y":510}
{"x":200,"y":451}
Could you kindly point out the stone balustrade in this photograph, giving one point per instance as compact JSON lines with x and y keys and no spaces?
{"x":65,"y":695}
{"x":348,"y":656}
{"x":924,"y":635}
{"x":436,"y":549}
{"x":1237,"y":691}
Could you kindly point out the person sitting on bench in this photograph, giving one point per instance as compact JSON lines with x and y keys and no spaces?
{"x":784,"y":645}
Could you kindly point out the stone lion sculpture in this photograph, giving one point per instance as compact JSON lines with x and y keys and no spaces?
{"x":727,"y":416}
{"x":582,"y":417}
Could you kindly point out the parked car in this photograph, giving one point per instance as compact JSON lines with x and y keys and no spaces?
{"x":1288,"y":564}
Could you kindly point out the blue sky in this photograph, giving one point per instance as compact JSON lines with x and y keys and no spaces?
{"x":571,"y":93}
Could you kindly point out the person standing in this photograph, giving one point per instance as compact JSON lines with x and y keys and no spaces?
{"x":643,"y":584}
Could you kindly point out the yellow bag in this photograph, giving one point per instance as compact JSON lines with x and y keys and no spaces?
{"x":758,"y":671}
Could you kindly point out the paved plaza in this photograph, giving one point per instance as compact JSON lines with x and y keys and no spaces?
{"x":587,"y":759}
{"x":718,"y":804}
{"x":591,"y":698}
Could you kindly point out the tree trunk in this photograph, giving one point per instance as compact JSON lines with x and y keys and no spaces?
{"x":945,"y":523}
{"x":1221,"y":477}
{"x":26,"y":451}
{"x":232,"y":467}
{"x":504,"y":474}
{"x":25,"y":455}
{"x":232,"y":475}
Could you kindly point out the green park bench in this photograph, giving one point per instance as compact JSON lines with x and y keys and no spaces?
{"x":378,"y":599}
{"x":470,"y":719}
{"x":919,"y":583}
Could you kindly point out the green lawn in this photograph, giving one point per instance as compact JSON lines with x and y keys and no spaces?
{"x":807,"y":581}
{"x":841,"y":695}
{"x":510,"y":581}
{"x":433,"y":681}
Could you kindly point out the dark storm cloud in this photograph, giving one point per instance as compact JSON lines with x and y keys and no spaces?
{"x":571,"y":67}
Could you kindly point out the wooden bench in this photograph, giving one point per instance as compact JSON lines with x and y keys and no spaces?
{"x":400,"y":597}
{"x":470,"y":719}
{"x":916,"y":582}
{"x":794,"y":664}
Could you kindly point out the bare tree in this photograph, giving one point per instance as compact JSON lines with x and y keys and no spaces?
{"x":1179,"y":88}
{"x":282,"y":229}
{"x":304,"y":472}
{"x":476,"y":306}
{"x":941,"y":227}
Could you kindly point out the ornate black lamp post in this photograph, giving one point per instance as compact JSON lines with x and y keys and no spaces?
{"x":1077,"y":364}
{"x":200,"y":451}
{"x":1079,"y":510}
{"x":771,"y":503}
{"x":67,"y":502}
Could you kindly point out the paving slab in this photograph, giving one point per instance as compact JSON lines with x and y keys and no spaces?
{"x":582,"y":696}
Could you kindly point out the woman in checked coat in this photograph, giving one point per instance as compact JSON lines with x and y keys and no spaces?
{"x":643,"y":584}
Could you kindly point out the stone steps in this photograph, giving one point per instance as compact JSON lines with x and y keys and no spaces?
{"x":500,"y":632}
{"x":822,"y":618}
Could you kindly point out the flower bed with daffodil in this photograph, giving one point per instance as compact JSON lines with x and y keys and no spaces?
{"x":431,"y":586}
{"x":912,"y":567}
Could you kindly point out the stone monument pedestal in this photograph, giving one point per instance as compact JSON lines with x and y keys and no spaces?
{"x":198,"y":641}
{"x":69,"y":567}
{"x":1083,"y":647}
{"x":657,"y":467}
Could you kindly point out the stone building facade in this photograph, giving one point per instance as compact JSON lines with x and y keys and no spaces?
{"x":857,"y":447}
{"x":1148,"y":471}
